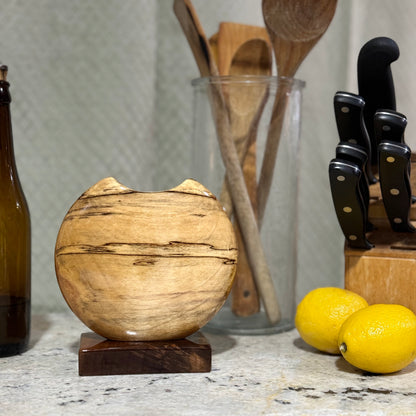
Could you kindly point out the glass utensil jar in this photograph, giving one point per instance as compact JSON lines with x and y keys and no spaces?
{"x":260,"y":109}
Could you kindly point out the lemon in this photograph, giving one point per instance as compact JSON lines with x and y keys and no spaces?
{"x":321,"y":313}
{"x":380,"y":338}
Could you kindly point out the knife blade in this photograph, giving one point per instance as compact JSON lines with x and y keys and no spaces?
{"x":375,"y":81}
{"x":389,"y":125}
{"x":344,"y":177}
{"x":357,"y":154}
{"x":394,"y":161}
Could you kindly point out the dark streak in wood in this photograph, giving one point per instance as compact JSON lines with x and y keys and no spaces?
{"x":84,"y":196}
{"x":226,"y":260}
{"x":111,"y":248}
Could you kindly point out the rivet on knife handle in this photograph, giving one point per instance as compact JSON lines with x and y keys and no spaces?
{"x":394,"y":160}
{"x":389,"y":125}
{"x":357,"y":154}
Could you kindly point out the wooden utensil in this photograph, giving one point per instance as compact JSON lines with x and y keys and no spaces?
{"x":241,"y":200}
{"x":246,"y":107}
{"x":195,"y":35}
{"x":250,"y":61}
{"x":231,"y":37}
{"x":246,"y":104}
{"x":243,"y":50}
{"x":145,"y":266}
{"x":294,"y":28}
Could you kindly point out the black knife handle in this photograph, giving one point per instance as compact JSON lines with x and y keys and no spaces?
{"x":344,"y":179}
{"x":394,"y":160}
{"x":375,"y":81}
{"x":348,"y":109}
{"x":356,"y":154}
{"x":389,"y":125}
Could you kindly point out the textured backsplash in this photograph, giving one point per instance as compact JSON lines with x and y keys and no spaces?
{"x":102,"y":88}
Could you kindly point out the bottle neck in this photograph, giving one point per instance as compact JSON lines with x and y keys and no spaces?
{"x":7,"y":162}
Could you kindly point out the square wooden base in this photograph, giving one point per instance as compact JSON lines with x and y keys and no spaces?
{"x":98,"y":356}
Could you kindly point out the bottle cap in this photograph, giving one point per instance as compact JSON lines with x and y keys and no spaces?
{"x":3,"y":72}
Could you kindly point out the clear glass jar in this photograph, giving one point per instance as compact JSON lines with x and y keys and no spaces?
{"x":248,"y":103}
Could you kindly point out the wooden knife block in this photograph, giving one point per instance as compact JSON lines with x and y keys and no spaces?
{"x":387,"y":272}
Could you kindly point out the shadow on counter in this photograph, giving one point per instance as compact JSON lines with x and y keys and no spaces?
{"x":39,"y":325}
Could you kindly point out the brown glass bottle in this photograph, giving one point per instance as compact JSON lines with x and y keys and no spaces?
{"x":14,"y":240}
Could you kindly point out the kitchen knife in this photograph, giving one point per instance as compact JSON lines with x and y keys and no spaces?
{"x":389,"y":125}
{"x":349,"y":118}
{"x":375,"y":81}
{"x":344,"y":178}
{"x":394,"y":160}
{"x":357,"y":154}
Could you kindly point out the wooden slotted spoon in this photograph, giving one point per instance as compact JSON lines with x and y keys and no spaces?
{"x":294,"y":28}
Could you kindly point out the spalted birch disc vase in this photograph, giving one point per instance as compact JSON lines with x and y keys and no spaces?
{"x":144,"y":266}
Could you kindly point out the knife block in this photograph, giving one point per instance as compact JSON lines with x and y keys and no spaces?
{"x":387,"y":272}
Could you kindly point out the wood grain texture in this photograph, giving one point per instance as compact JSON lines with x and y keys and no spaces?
{"x":98,"y":356}
{"x":145,"y":265}
{"x":382,"y":279}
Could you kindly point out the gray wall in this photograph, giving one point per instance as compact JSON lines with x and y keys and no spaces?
{"x":102,"y":88}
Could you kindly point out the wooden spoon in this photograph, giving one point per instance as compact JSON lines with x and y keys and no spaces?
{"x":231,"y":37}
{"x":294,"y":29}
{"x":241,"y":200}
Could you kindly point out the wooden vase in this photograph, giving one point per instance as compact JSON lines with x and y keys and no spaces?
{"x":141,"y":266}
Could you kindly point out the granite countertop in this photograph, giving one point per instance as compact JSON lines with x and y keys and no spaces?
{"x":258,"y":375}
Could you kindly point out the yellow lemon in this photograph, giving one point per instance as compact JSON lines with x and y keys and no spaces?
{"x":321,"y":313}
{"x":380,"y":338}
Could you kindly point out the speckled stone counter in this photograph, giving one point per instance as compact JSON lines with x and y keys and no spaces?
{"x":267,"y":375}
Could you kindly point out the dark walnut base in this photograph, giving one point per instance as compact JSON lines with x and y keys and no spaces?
{"x":99,"y":356}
